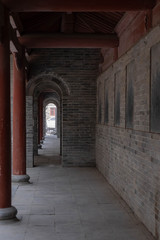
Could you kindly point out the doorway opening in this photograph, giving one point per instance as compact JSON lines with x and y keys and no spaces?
{"x":51,"y":120}
{"x":49,"y":153}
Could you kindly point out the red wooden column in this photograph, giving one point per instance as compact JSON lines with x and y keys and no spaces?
{"x":6,"y":210}
{"x":39,"y":146}
{"x":40,"y":120}
{"x":19,"y":121}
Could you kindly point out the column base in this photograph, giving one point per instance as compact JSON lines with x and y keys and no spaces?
{"x":8,"y":213}
{"x":39,"y":146}
{"x":20,"y":178}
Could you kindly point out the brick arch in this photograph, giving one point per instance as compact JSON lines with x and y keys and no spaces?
{"x":47,"y":86}
{"x":48,"y":80}
{"x":51,"y":100}
{"x":57,"y":102}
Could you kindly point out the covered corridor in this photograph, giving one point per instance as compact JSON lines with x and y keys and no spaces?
{"x":89,"y":72}
{"x":69,"y":204}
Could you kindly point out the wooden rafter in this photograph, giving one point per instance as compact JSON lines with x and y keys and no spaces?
{"x":78,"y":6}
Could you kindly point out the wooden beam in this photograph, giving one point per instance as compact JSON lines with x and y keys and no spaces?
{"x":1,"y":15}
{"x":69,"y":41}
{"x":15,"y":46}
{"x":78,"y":6}
{"x":26,"y":63}
{"x":17,"y":22}
{"x":67,"y":24}
{"x":1,"y":21}
{"x":13,"y":49}
{"x":14,"y":43}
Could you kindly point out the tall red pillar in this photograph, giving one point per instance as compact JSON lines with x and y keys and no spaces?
{"x":40,"y":120}
{"x":19,"y":121}
{"x":6,"y":210}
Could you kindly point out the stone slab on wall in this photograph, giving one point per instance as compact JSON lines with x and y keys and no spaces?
{"x":130,"y":158}
{"x":106,"y":103}
{"x":131,"y":76}
{"x":79,"y":69}
{"x":155,"y":88}
{"x":117,"y":100}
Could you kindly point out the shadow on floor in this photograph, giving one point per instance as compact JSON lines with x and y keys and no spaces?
{"x":44,"y":160}
{"x":49,"y":153}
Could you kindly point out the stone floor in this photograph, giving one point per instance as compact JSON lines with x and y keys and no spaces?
{"x":49,"y":154}
{"x":69,"y":204}
{"x":51,"y":146}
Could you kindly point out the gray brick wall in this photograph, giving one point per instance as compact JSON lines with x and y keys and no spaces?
{"x":130,"y":158}
{"x":79,"y":69}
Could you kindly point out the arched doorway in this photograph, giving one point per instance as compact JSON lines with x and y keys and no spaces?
{"x":45,"y":89}
{"x":49,"y":147}
{"x":50,"y":119}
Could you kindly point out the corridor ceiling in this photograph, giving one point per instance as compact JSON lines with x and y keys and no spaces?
{"x":78,"y":22}
{"x":77,"y":6}
{"x":70,"y":23}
